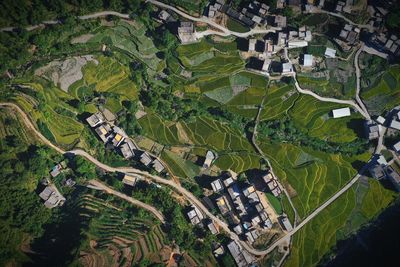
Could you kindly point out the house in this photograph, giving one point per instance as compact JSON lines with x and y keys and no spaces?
{"x":219,"y":251}
{"x":371,"y":130}
{"x":95,"y":119}
{"x":396,"y":147}
{"x":285,"y":223}
{"x":127,"y":149}
{"x":228,"y":181}
{"x":238,"y":204}
{"x":377,"y":171}
{"x":282,"y":39}
{"x":145,"y":159}
{"x":238,"y":229}
{"x":209,"y":159}
{"x":297,"y":43}
{"x":104,"y":132}
{"x":186,"y":32}
{"x":341,"y":112}
{"x":217,"y":185}
{"x":108,"y":115}
{"x":213,"y":229}
{"x":164,"y":16}
{"x":233,"y":191}
{"x":269,"y":48}
{"x":381,"y":120}
{"x":56,"y":170}
{"x":129,"y":180}
{"x":253,"y":197}
{"x":394,"y":177}
{"x":266,"y":65}
{"x":395,"y":124}
{"x":252,"y":235}
{"x":119,"y":136}
{"x":194,"y":215}
{"x":308,"y":60}
{"x":252,"y":45}
{"x":52,"y":197}
{"x":248,"y":190}
{"x":223,"y":204}
{"x":241,"y":256}
{"x":255,"y":220}
{"x":280,"y":21}
{"x":287,"y":68}
{"x":157,"y":165}
{"x":70,"y":183}
{"x":330,"y":53}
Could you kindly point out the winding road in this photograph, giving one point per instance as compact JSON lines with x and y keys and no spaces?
{"x":188,"y":195}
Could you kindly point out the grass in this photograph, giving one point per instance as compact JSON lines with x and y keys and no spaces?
{"x":387,"y":87}
{"x":236,"y":26}
{"x":275,"y":202}
{"x":179,"y":166}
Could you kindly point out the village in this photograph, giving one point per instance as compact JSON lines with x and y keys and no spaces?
{"x":243,"y":204}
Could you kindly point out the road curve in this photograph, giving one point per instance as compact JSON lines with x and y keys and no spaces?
{"x":135,"y":202}
{"x":358,"y":82}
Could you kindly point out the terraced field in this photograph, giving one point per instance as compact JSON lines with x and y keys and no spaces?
{"x":384,"y":94}
{"x":338,"y":220}
{"x":118,"y":238}
{"x":56,"y":118}
{"x":315,"y":119}
{"x":238,"y":162}
{"x":130,"y":38}
{"x":157,"y":130}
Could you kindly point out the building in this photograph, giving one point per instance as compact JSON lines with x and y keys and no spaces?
{"x":129,"y":180}
{"x":285,"y":223}
{"x":108,"y":115}
{"x":394,"y":177}
{"x":280,"y":21}
{"x":287,"y":68}
{"x":217,"y":185}
{"x":297,"y":43}
{"x":396,"y":147}
{"x":248,"y":190}
{"x":186,"y":32}
{"x":341,"y":112}
{"x":104,"y":132}
{"x":95,"y":119}
{"x":127,"y":149}
{"x":233,"y":191}
{"x":119,"y":136}
{"x":377,"y":171}
{"x":330,"y":53}
{"x":145,"y":159}
{"x":213,"y":229}
{"x":395,"y":124}
{"x":371,"y":130}
{"x":194,"y":215}
{"x":219,"y":251}
{"x":252,"y":45}
{"x":52,"y":197}
{"x":308,"y":60}
{"x":157,"y":165}
{"x":266,"y":65}
{"x":381,"y":120}
{"x":241,"y":256}
{"x":228,"y":181}
{"x":223,"y":205}
{"x":56,"y":170}
{"x":209,"y":159}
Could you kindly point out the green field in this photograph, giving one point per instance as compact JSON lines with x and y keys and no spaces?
{"x":179,"y":166}
{"x":239,"y":162}
{"x":384,"y":94}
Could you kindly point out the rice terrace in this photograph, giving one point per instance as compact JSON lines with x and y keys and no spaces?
{"x":199,"y":133}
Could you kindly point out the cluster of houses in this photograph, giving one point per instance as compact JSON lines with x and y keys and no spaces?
{"x":51,"y":195}
{"x":242,"y":206}
{"x":379,"y":168}
{"x":111,"y":134}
